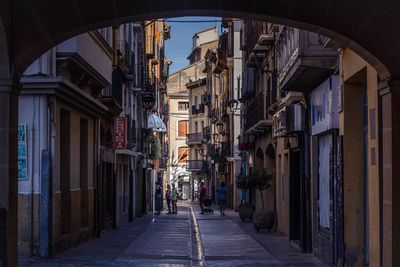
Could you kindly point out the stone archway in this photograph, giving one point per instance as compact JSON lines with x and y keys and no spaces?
{"x":359,"y":25}
{"x":8,"y":152}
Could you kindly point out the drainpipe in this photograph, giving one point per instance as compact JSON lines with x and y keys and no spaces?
{"x":32,"y":146}
{"x":114,"y":46}
{"x":244,"y":173}
{"x":44,"y":160}
{"x":114,"y":183}
{"x":306,"y":146}
{"x":99,"y":194}
{"x":275,"y":181}
{"x":51,"y":147}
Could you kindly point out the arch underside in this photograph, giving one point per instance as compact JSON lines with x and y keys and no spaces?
{"x":365,"y":26}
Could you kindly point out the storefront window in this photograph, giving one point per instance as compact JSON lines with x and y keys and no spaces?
{"x":324,"y":180}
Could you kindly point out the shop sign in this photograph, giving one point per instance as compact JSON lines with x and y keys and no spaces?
{"x":120,"y":132}
{"x":324,"y":103}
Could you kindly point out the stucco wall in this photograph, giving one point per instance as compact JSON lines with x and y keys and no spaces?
{"x":177,"y":81}
{"x":176,"y":141}
{"x":205,"y":37}
{"x":282,"y":186}
{"x":92,"y":53}
{"x":355,"y":72}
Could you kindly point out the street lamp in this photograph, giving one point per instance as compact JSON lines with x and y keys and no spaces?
{"x":220,"y":127}
{"x":233,"y":105}
{"x":215,"y":136}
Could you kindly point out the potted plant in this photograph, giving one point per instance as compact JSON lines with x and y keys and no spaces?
{"x":262,"y":219}
{"x":123,"y":61}
{"x":245,"y":183}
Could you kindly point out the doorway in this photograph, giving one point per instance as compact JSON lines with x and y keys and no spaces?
{"x":295,"y":199}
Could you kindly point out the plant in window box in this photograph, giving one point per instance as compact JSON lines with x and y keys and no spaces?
{"x":154,"y":146}
{"x":123,"y":61}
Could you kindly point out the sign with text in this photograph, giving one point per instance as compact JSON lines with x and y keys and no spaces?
{"x":324,"y":103}
{"x":120,"y":132}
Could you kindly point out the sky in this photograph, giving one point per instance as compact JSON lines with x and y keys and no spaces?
{"x":180,"y":44}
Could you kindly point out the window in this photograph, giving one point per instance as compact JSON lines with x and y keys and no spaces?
{"x":195,"y":100}
{"x":202,"y":126}
{"x":183,"y":128}
{"x":196,"y":128}
{"x":183,"y":106}
{"x":182,"y":154}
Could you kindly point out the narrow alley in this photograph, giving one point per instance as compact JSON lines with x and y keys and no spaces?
{"x":172,"y":240}
{"x":283,"y":112}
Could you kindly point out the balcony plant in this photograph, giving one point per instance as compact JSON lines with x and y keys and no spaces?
{"x":152,"y":144}
{"x":245,"y":183}
{"x":262,"y":219}
{"x":123,"y":61}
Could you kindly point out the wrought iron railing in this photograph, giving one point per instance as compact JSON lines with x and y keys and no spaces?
{"x":197,"y":165}
{"x":198,"y":109}
{"x":194,"y":137}
{"x":255,"y":111}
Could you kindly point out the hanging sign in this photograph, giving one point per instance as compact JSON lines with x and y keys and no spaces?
{"x":120,"y":132}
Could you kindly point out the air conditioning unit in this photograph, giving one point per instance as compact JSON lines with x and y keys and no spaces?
{"x":295,"y":118}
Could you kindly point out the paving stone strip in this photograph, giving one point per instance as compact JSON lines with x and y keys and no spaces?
{"x":167,"y":237}
{"x":183,"y":239}
{"x":196,"y":244}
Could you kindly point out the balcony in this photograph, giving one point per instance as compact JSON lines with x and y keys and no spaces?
{"x":148,"y":96}
{"x":307,"y":63}
{"x":197,"y":165}
{"x":260,"y":50}
{"x":207,"y":133}
{"x":194,"y":139}
{"x":246,"y":142}
{"x":198,"y":109}
{"x":226,"y":149}
{"x":134,"y":137}
{"x":163,"y":164}
{"x":257,"y":121}
{"x":111,"y":98}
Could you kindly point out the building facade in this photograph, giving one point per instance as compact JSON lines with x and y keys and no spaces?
{"x":178,"y":128}
{"x":298,"y":130}
{"x":191,"y":81}
{"x":83,"y":115}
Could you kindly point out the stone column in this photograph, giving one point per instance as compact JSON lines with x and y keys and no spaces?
{"x":389,"y":92}
{"x":8,"y":173}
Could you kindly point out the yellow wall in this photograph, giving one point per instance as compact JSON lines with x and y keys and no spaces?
{"x":269,"y":165}
{"x":354,"y":72}
{"x":282,"y":186}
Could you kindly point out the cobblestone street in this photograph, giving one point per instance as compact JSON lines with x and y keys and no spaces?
{"x":170,"y":240}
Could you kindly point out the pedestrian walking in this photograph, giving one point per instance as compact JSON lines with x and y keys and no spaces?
{"x":168,"y":196}
{"x":158,"y":198}
{"x":203,"y":193}
{"x":222,"y":192}
{"x":174,"y":199}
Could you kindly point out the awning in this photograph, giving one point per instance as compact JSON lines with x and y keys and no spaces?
{"x":155,"y":123}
